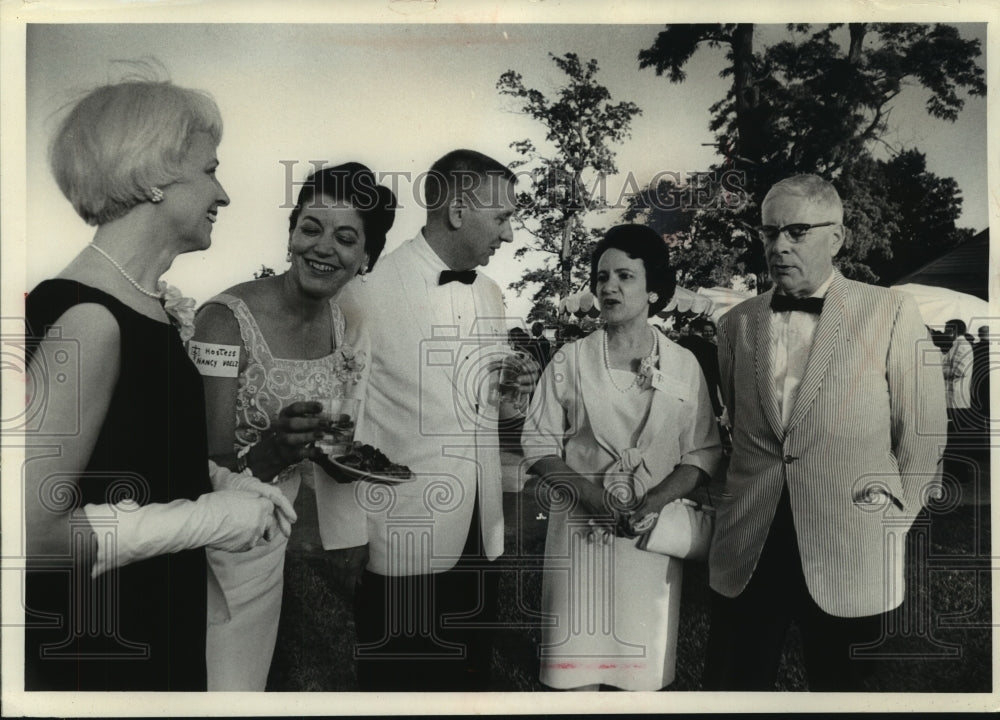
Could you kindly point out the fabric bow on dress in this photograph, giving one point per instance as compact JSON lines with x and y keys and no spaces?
{"x":632,"y":469}
{"x":628,"y":478}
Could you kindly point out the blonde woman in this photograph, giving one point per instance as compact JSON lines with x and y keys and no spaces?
{"x":118,"y":496}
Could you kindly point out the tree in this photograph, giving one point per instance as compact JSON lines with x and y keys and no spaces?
{"x":913,"y":209}
{"x":701,"y":222}
{"x":814,"y":104}
{"x":870,"y":218}
{"x":264,"y":272}
{"x":581,"y":124}
{"x":544,"y":310}
{"x":677,"y":44}
{"x":822,"y":105}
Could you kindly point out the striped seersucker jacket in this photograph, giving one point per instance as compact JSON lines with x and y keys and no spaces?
{"x":861,"y":453}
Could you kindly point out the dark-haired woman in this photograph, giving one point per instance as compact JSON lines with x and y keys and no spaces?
{"x":620,"y":425}
{"x":293,"y":350}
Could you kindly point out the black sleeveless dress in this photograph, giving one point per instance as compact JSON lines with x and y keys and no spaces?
{"x":140,"y":627}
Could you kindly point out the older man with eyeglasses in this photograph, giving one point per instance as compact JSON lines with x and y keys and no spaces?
{"x":836,"y":398}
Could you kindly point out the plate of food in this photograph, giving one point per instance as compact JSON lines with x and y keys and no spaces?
{"x":364,"y":462}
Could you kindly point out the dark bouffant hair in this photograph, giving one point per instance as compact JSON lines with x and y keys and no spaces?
{"x":354,"y":183}
{"x":640,"y":243}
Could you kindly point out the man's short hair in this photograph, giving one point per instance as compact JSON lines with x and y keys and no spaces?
{"x":812,"y":188}
{"x":959,"y":326}
{"x":460,"y":173}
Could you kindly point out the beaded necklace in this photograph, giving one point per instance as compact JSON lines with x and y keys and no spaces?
{"x":648,"y":361}
{"x":132,"y":280}
{"x":179,"y":309}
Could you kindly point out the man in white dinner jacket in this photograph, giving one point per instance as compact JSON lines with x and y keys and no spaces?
{"x":836,"y":399}
{"x":426,"y":603}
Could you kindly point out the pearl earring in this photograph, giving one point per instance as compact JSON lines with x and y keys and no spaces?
{"x":653,"y":297}
{"x":155,"y":194}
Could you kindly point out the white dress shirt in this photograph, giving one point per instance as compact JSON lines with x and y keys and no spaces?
{"x":430,"y":404}
{"x":792,"y":335}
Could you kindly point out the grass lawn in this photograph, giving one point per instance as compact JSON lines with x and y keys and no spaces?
{"x":939,"y":640}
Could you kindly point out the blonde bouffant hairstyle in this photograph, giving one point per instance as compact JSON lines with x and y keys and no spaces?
{"x":123,"y":139}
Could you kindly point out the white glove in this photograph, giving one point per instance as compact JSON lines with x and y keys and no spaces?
{"x":232,"y":520}
{"x":225,"y":479}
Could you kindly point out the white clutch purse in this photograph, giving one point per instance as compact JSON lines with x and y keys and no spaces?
{"x":683,"y":530}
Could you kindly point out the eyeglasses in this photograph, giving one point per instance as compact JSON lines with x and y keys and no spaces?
{"x":796,"y":231}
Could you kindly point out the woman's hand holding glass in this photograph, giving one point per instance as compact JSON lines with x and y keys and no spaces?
{"x":297,"y":429}
{"x":290,"y":439}
{"x":527,"y":377}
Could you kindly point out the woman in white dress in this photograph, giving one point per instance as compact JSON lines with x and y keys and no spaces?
{"x":292,"y":349}
{"x":621,"y":424}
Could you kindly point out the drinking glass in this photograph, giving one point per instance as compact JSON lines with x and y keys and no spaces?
{"x":343,"y":414}
{"x":511,"y":366}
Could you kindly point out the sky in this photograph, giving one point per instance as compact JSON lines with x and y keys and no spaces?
{"x":395,"y":97}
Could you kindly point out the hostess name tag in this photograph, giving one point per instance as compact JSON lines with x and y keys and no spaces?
{"x":666,"y":384}
{"x":213,"y":360}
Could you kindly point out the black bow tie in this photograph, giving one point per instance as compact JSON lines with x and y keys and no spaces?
{"x":781,"y":303}
{"x":466,"y":277}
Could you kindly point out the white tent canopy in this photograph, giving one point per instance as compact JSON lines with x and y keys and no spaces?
{"x":936,"y":305}
{"x":939,"y":305}
{"x":723,"y":298}
{"x":579,"y":304}
{"x":683,"y":301}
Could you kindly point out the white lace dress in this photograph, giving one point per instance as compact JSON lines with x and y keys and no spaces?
{"x":239,"y":650}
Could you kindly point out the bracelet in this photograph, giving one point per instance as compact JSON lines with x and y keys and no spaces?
{"x":285,"y":474}
{"x":242,"y":458}
{"x":287,"y":471}
{"x":243,"y":454}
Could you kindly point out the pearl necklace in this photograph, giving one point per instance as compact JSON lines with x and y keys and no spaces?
{"x":635,"y":378}
{"x":133,"y":281}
